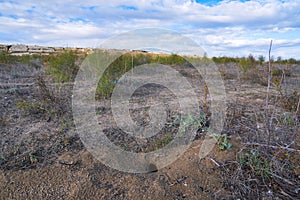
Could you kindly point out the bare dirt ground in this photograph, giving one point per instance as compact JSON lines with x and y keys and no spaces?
{"x":42,"y":157}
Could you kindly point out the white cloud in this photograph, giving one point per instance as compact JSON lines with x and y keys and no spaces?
{"x":227,"y":28}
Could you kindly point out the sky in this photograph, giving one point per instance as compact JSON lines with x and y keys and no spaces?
{"x":221,"y":28}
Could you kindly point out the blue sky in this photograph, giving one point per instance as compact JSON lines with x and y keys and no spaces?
{"x":222,"y":28}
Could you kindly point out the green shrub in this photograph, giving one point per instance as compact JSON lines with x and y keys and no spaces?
{"x":29,"y":60}
{"x":292,"y":61}
{"x":62,"y":67}
{"x":256,"y":163}
{"x":224,"y":59}
{"x":276,"y":72}
{"x":125,"y":63}
{"x":105,"y":87}
{"x":245,"y":65}
{"x":261,"y":59}
{"x":221,"y":140}
{"x":3,"y":58}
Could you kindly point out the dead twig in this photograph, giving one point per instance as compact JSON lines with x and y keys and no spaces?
{"x":287,"y":195}
{"x":271,"y":146}
{"x":215,"y":162}
{"x":178,"y":181}
{"x":268,"y":127}
{"x":284,"y":179}
{"x":298,"y":106}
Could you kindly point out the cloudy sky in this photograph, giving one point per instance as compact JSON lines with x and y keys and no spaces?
{"x":230,"y":28}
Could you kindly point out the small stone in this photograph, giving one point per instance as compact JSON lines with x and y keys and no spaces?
{"x":152,"y":168}
{"x":67,"y":159}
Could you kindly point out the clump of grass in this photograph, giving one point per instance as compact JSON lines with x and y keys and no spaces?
{"x":222,"y":141}
{"x":34,"y":60}
{"x":163,"y":141}
{"x":291,"y":102}
{"x":247,"y":63}
{"x":188,"y":121}
{"x":105,"y":86}
{"x":255,"y":162}
{"x":287,"y":119}
{"x":47,"y":102}
{"x":33,"y":159}
{"x":258,"y":172}
{"x":31,"y":107}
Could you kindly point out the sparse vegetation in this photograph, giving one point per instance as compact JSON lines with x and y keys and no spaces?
{"x":31,"y":108}
{"x":34,"y":60}
{"x":255,"y":163}
{"x":264,"y":168}
{"x":222,"y":141}
{"x":163,"y":141}
{"x":125,"y":63}
{"x":62,"y":67}
{"x":247,"y":64}
{"x":188,"y":121}
{"x":223,"y":60}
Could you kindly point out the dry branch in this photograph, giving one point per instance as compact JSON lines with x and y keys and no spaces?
{"x":268,"y":124}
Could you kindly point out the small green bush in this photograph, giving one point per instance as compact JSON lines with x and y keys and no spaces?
{"x":261,"y":59}
{"x":245,"y":64}
{"x":31,"y":107}
{"x":3,"y":58}
{"x":62,"y":67}
{"x":276,"y":72}
{"x":256,"y":163}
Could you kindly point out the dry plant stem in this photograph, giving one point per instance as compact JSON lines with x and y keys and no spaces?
{"x":270,"y":146}
{"x":268,"y":127}
{"x":297,"y":110}
{"x":215,"y":162}
{"x":285,"y":194}
{"x":284,"y":179}
{"x":205,"y":98}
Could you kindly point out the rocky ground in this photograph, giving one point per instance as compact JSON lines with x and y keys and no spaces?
{"x":42,"y":156}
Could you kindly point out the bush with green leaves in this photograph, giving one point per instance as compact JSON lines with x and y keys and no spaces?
{"x":224,"y":59}
{"x":222,"y":141}
{"x":261,"y":59}
{"x":276,"y":72}
{"x":247,"y":63}
{"x":125,"y":63}
{"x":62,"y":67}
